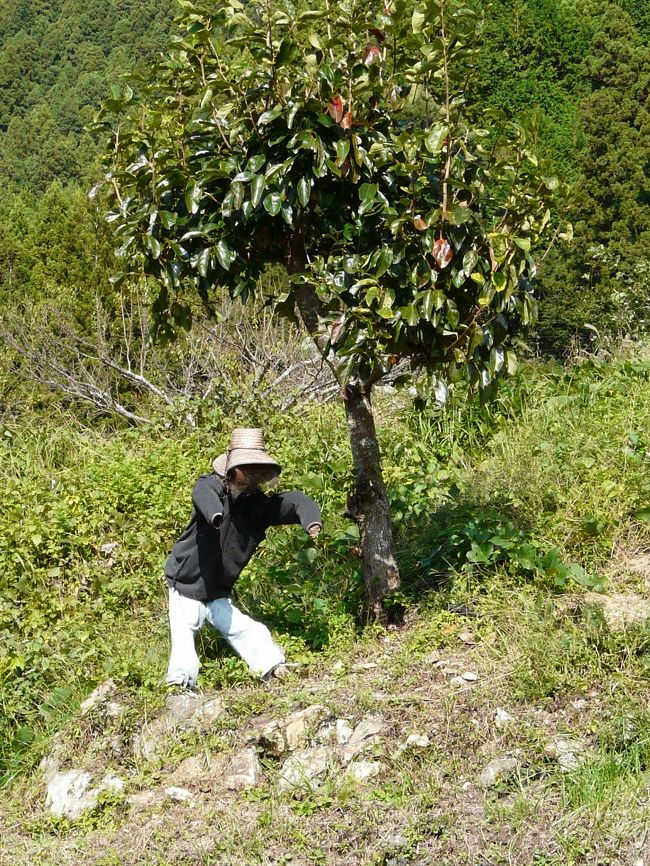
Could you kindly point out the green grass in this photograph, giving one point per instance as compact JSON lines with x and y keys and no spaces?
{"x":504,"y":515}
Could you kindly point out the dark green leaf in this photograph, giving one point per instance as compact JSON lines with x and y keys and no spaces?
{"x":193,"y":195}
{"x":273,"y":203}
{"x":224,"y":255}
{"x":304,"y":191}
{"x":257,"y":188}
{"x":203,"y":262}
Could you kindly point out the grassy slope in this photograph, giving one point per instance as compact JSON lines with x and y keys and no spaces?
{"x":569,"y":469}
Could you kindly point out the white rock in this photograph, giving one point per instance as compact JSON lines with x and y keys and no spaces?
{"x":502,"y":718}
{"x":298,"y":724}
{"x":49,"y":767}
{"x":417,"y":741}
{"x":326,"y":735}
{"x":278,"y":736}
{"x":70,"y":794}
{"x":469,"y":676}
{"x":303,"y":768}
{"x":111,"y":783}
{"x":361,"y":771}
{"x":180,"y":795}
{"x":497,"y":770}
{"x":142,"y":799}
{"x":338,"y":668}
{"x":185,"y":711}
{"x":344,"y":731}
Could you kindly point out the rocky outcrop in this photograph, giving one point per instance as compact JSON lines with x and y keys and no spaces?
{"x":186,"y":711}
{"x":74,"y":792}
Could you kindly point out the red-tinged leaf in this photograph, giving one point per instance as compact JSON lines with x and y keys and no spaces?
{"x":346,"y":122}
{"x":371,"y":54}
{"x":442,"y":252}
{"x":419,"y":224}
{"x":379,"y":35}
{"x":335,"y":108}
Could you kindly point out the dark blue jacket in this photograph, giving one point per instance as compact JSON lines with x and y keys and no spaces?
{"x":224,"y":532}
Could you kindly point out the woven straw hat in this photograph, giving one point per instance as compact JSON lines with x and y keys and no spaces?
{"x":219,"y":464}
{"x":246,"y":449}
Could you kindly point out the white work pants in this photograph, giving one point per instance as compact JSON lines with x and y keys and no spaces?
{"x":250,"y":639}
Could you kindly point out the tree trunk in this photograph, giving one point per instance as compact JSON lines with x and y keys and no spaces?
{"x":368,"y":504}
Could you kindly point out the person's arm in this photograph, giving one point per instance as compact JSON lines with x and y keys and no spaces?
{"x":293,"y":507}
{"x":205,"y":499}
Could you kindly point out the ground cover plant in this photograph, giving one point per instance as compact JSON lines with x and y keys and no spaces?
{"x":501,"y":538}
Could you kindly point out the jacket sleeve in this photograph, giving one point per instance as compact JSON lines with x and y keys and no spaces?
{"x":292,"y":507}
{"x":205,"y":499}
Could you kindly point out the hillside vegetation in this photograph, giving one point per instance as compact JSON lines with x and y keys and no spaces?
{"x":522,"y":630}
{"x":506,"y":518}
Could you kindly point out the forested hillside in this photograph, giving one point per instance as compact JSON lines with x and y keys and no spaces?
{"x":57,"y":62}
{"x":576,"y":74}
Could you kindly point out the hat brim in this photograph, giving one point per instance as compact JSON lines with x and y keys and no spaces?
{"x":250,"y":457}
{"x":219,"y":464}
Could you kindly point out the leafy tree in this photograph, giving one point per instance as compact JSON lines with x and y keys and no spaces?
{"x":335,"y":144}
{"x":611,"y":201}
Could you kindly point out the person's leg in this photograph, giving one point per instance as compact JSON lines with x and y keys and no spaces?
{"x":186,"y":616}
{"x":250,"y":639}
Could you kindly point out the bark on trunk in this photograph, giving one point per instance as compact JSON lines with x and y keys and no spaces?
{"x":368,"y":505}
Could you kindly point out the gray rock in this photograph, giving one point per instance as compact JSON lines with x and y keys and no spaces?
{"x":621,"y":610}
{"x":364,"y":735}
{"x":304,"y":768}
{"x":101,"y":695}
{"x":279,"y":736}
{"x":243,"y":771}
{"x":498,"y":770}
{"x":179,"y":795}
{"x":70,"y":794}
{"x":569,"y":753}
{"x":361,"y":771}
{"x":185,"y":711}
